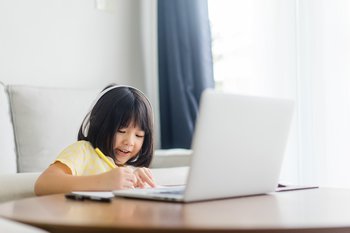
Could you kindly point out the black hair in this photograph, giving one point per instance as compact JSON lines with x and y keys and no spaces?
{"x":114,"y":110}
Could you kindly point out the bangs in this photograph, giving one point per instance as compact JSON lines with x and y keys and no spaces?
{"x":136,"y":115}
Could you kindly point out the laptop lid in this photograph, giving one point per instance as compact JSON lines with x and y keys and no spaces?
{"x":238,"y":147}
{"x":239,"y":144}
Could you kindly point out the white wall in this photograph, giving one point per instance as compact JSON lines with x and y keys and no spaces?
{"x":70,"y":43}
{"x":75,"y":43}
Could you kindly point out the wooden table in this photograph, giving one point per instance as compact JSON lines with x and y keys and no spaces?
{"x":314,"y":210}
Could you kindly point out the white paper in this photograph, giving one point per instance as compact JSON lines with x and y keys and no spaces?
{"x":96,"y":194}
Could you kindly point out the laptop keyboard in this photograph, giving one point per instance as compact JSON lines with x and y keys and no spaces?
{"x":176,"y":192}
{"x":168,"y":190}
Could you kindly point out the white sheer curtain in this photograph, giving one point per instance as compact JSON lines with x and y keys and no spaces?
{"x":324,"y":91}
{"x":297,"y":49}
{"x":254,"y":48}
{"x":149,"y":44}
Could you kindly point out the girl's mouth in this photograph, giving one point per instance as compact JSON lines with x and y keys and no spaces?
{"x":123,"y":152}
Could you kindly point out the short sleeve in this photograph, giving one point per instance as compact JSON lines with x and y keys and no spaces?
{"x":82,"y":159}
{"x":73,"y":156}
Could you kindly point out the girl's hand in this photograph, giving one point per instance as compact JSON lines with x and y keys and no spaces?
{"x":143,"y":177}
{"x":118,"y":178}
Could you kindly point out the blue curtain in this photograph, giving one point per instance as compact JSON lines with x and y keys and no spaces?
{"x":185,"y":67}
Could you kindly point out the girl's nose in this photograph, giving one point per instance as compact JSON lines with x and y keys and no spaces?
{"x":129,"y":140}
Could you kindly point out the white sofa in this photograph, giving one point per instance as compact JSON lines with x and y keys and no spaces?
{"x":36,"y":123}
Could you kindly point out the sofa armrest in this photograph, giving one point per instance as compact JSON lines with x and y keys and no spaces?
{"x":10,"y":226}
{"x":170,"y":176}
{"x":17,"y":186}
{"x":164,"y":158}
{"x":21,"y":185}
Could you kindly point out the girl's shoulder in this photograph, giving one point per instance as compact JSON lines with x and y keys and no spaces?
{"x":80,"y":157}
{"x":82,"y":146}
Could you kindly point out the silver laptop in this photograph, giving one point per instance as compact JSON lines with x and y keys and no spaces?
{"x":238,"y":147}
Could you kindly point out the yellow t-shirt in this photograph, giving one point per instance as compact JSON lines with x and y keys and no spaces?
{"x":82,"y":159}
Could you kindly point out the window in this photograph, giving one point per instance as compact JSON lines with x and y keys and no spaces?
{"x":254,"y":52}
{"x":299,"y":50}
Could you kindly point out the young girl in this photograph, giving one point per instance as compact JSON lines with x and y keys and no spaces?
{"x":120,"y":125}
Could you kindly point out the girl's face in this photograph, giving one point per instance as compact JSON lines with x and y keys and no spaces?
{"x":128,"y":143}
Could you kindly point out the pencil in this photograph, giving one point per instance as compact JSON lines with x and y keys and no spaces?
{"x":102,"y":156}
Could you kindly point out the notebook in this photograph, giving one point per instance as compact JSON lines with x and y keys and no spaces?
{"x":238,"y":148}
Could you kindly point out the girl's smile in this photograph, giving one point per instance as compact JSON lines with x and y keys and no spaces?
{"x":122,"y":152}
{"x":128,"y":143}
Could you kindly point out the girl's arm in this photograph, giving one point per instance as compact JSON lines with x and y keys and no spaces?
{"x":58,"y":179}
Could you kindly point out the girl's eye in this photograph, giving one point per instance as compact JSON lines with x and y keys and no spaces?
{"x":121,"y":131}
{"x":140,"y":135}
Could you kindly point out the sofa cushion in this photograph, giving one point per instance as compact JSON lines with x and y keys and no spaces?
{"x":7,"y":143}
{"x":45,"y":121}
